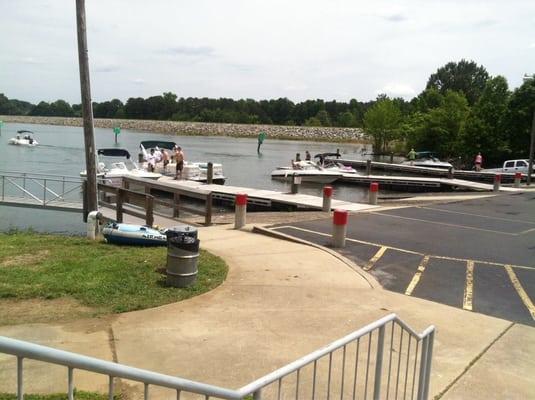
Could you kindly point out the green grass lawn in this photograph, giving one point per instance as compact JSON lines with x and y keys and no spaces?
{"x":107,"y":278}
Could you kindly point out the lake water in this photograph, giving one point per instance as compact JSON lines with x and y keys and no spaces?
{"x":61,"y":152}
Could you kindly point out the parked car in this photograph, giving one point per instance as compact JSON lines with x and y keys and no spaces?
{"x":516,"y":166}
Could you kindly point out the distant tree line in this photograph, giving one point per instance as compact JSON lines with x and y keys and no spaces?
{"x":169,"y":107}
{"x":463,"y":110}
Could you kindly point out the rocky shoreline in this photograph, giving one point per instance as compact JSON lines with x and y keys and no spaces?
{"x":206,"y":129}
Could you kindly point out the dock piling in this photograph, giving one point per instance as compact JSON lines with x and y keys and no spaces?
{"x":210,"y":173}
{"x":296,"y":181}
{"x":497,"y":182}
{"x":518,"y":178}
{"x":240,"y":211}
{"x":340,"y":218}
{"x":368,"y":167}
{"x":327,"y":196}
{"x":373,"y":193}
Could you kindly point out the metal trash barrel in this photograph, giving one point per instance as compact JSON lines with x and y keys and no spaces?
{"x":182,"y":255}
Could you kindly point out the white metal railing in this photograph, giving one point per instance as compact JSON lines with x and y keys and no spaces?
{"x":351,"y":367}
{"x":39,"y":189}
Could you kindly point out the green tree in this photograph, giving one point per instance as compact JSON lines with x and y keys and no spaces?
{"x":484,"y":130}
{"x":324,"y":118}
{"x":519,"y":119}
{"x":346,"y":120}
{"x":382,"y":121}
{"x":465,"y":76}
{"x":438,"y":130}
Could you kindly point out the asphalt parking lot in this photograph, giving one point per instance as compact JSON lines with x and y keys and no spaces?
{"x":478,"y":255}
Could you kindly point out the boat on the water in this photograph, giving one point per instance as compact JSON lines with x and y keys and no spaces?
{"x":23,"y":138}
{"x":136,"y":235}
{"x":308,"y":171}
{"x":114,"y":163}
{"x":428,"y":159}
{"x":192,"y":171}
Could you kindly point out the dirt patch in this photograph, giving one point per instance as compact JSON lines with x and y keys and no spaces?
{"x":25,"y":260}
{"x":41,"y":310}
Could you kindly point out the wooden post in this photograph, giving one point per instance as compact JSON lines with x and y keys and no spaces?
{"x":87,"y":108}
{"x":176,"y":205}
{"x":208,"y":214}
{"x":149,"y":206}
{"x":210,"y":173}
{"x":119,"y":205}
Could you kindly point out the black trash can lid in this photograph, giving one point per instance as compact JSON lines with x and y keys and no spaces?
{"x":181,"y":230}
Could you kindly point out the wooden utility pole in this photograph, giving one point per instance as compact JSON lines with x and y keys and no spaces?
{"x":87,"y":108}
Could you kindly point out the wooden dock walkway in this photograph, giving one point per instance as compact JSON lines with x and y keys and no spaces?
{"x":57,"y":205}
{"x":266,"y":198}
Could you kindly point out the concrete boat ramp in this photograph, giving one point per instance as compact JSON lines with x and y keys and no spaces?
{"x":266,"y":198}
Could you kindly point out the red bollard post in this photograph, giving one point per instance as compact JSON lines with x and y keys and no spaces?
{"x":240,"y":211}
{"x":497,"y":182}
{"x":518,"y":178}
{"x":374,"y":191}
{"x":327,"y":197}
{"x":340,"y":218}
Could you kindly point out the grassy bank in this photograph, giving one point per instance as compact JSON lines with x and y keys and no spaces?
{"x":49,"y":277}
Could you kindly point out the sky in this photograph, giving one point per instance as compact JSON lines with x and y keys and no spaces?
{"x":299,"y":49}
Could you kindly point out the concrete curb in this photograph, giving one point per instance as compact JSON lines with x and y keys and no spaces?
{"x":278,"y":235}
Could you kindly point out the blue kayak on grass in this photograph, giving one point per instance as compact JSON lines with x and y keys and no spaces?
{"x":137,"y":235}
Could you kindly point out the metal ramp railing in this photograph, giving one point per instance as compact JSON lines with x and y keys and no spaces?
{"x":40,"y":190}
{"x":385,"y":359}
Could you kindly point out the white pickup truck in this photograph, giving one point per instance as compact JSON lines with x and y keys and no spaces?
{"x":515,"y":166}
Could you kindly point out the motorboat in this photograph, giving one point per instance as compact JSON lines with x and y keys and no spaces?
{"x":163,"y":152}
{"x":427,"y":159}
{"x":308,"y":171}
{"x":23,"y":138}
{"x":136,"y":235}
{"x":336,"y":166}
{"x":113,"y":164}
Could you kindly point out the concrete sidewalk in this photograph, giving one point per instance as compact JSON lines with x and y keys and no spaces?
{"x":281,"y":300}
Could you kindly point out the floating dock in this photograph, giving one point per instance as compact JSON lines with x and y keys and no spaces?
{"x":478,"y":176}
{"x":409,"y":183}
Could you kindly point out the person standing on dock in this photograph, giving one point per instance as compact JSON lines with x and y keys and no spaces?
{"x":179,"y":159}
{"x":478,"y":161}
{"x":307,"y":156}
{"x":412,"y":156}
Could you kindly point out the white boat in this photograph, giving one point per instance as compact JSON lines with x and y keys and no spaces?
{"x":137,"y":235}
{"x":192,"y":171}
{"x":308,"y":171}
{"x":23,"y":138}
{"x":428,"y":159}
{"x":335,"y":166}
{"x":113,"y":164}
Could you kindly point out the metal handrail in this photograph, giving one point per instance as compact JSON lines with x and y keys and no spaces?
{"x":330,"y":348}
{"x":28,"y":174}
{"x":22,"y":350}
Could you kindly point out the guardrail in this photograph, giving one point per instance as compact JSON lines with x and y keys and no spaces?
{"x":351,"y":367}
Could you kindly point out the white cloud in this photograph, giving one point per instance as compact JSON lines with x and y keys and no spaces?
{"x":397,"y":90}
{"x":302,"y":49}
